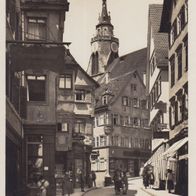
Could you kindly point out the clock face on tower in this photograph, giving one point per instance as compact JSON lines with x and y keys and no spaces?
{"x":114,"y":47}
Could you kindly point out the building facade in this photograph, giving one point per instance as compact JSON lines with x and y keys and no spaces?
{"x":157,"y":86}
{"x":175,"y":23}
{"x":122,"y":137}
{"x":14,"y":109}
{"x":104,"y":45}
{"x":50,"y":98}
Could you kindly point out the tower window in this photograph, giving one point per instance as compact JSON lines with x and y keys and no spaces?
{"x":36,"y":29}
{"x":95,"y":63}
{"x":105,"y":100}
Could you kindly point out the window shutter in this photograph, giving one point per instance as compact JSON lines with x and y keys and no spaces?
{"x":176,"y":113}
{"x":170,"y":117}
{"x":183,"y":108}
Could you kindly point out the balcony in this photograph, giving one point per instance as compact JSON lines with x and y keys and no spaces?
{"x":36,"y":56}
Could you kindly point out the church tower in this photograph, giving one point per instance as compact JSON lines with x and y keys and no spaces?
{"x":104,"y":45}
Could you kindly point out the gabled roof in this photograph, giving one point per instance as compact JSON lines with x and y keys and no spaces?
{"x":115,"y":87}
{"x":82,"y":70}
{"x":127,"y":63}
{"x":160,"y":39}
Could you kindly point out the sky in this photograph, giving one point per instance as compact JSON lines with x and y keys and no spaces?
{"x":129,"y":18}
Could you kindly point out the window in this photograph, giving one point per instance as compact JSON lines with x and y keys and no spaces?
{"x":97,"y":139}
{"x":179,"y":22}
{"x":62,"y":127}
{"x":175,"y":29}
{"x":125,"y":121}
{"x":144,"y":122}
{"x":136,"y":122}
{"x":80,"y":95}
{"x":172,"y":36}
{"x":104,"y":100}
{"x":179,"y":58}
{"x":186,"y":53}
{"x":102,"y":140}
{"x":182,"y":17}
{"x":106,"y":118}
{"x":186,"y":11}
{"x":115,"y":119}
{"x":133,"y":87}
{"x":125,"y":101}
{"x":79,"y":127}
{"x":172,"y":66}
{"x":179,"y":108}
{"x":34,"y":158}
{"x":36,"y":87}
{"x":172,"y":115}
{"x":135,"y":102}
{"x":100,"y":119}
{"x":159,"y":86}
{"x":36,"y":29}
{"x":65,"y":81}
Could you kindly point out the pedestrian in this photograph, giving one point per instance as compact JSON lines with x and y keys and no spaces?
{"x":93,"y":178}
{"x":125,"y":183}
{"x":145,"y":178}
{"x":151,"y":179}
{"x":170,"y":180}
{"x":67,"y":184}
{"x":89,"y":180}
{"x":117,"y":181}
{"x":81,"y":177}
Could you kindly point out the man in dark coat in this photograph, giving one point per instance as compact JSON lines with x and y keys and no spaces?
{"x":94,"y":178}
{"x":81,"y":180}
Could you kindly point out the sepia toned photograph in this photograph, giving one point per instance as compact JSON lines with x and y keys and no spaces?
{"x":96,"y":98}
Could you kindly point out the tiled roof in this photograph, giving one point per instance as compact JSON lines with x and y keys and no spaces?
{"x":160,"y":39}
{"x":114,"y":87}
{"x":128,"y":63}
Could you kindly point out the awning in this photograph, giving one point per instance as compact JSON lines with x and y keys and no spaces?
{"x":172,"y":149}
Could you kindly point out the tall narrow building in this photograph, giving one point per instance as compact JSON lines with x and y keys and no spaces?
{"x":104,"y":45}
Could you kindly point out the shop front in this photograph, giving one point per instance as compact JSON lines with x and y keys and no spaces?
{"x":40,"y":158}
{"x":177,"y":161}
{"x":127,"y":160}
{"x":81,"y":162}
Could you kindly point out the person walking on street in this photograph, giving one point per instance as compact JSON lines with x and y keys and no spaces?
{"x":67,"y":184}
{"x":81,"y":176}
{"x":145,"y":178}
{"x":170,"y":180}
{"x":93,"y":178}
{"x":151,"y":179}
{"x":125,"y":183}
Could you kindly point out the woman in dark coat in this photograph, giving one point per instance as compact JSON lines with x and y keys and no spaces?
{"x":117,"y":181}
{"x":67,"y":184}
{"x":170,"y":182}
{"x":145,"y":178}
{"x":125,"y":183}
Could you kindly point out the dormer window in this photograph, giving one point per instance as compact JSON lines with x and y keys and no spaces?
{"x":104,"y":99}
{"x":125,"y":101}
